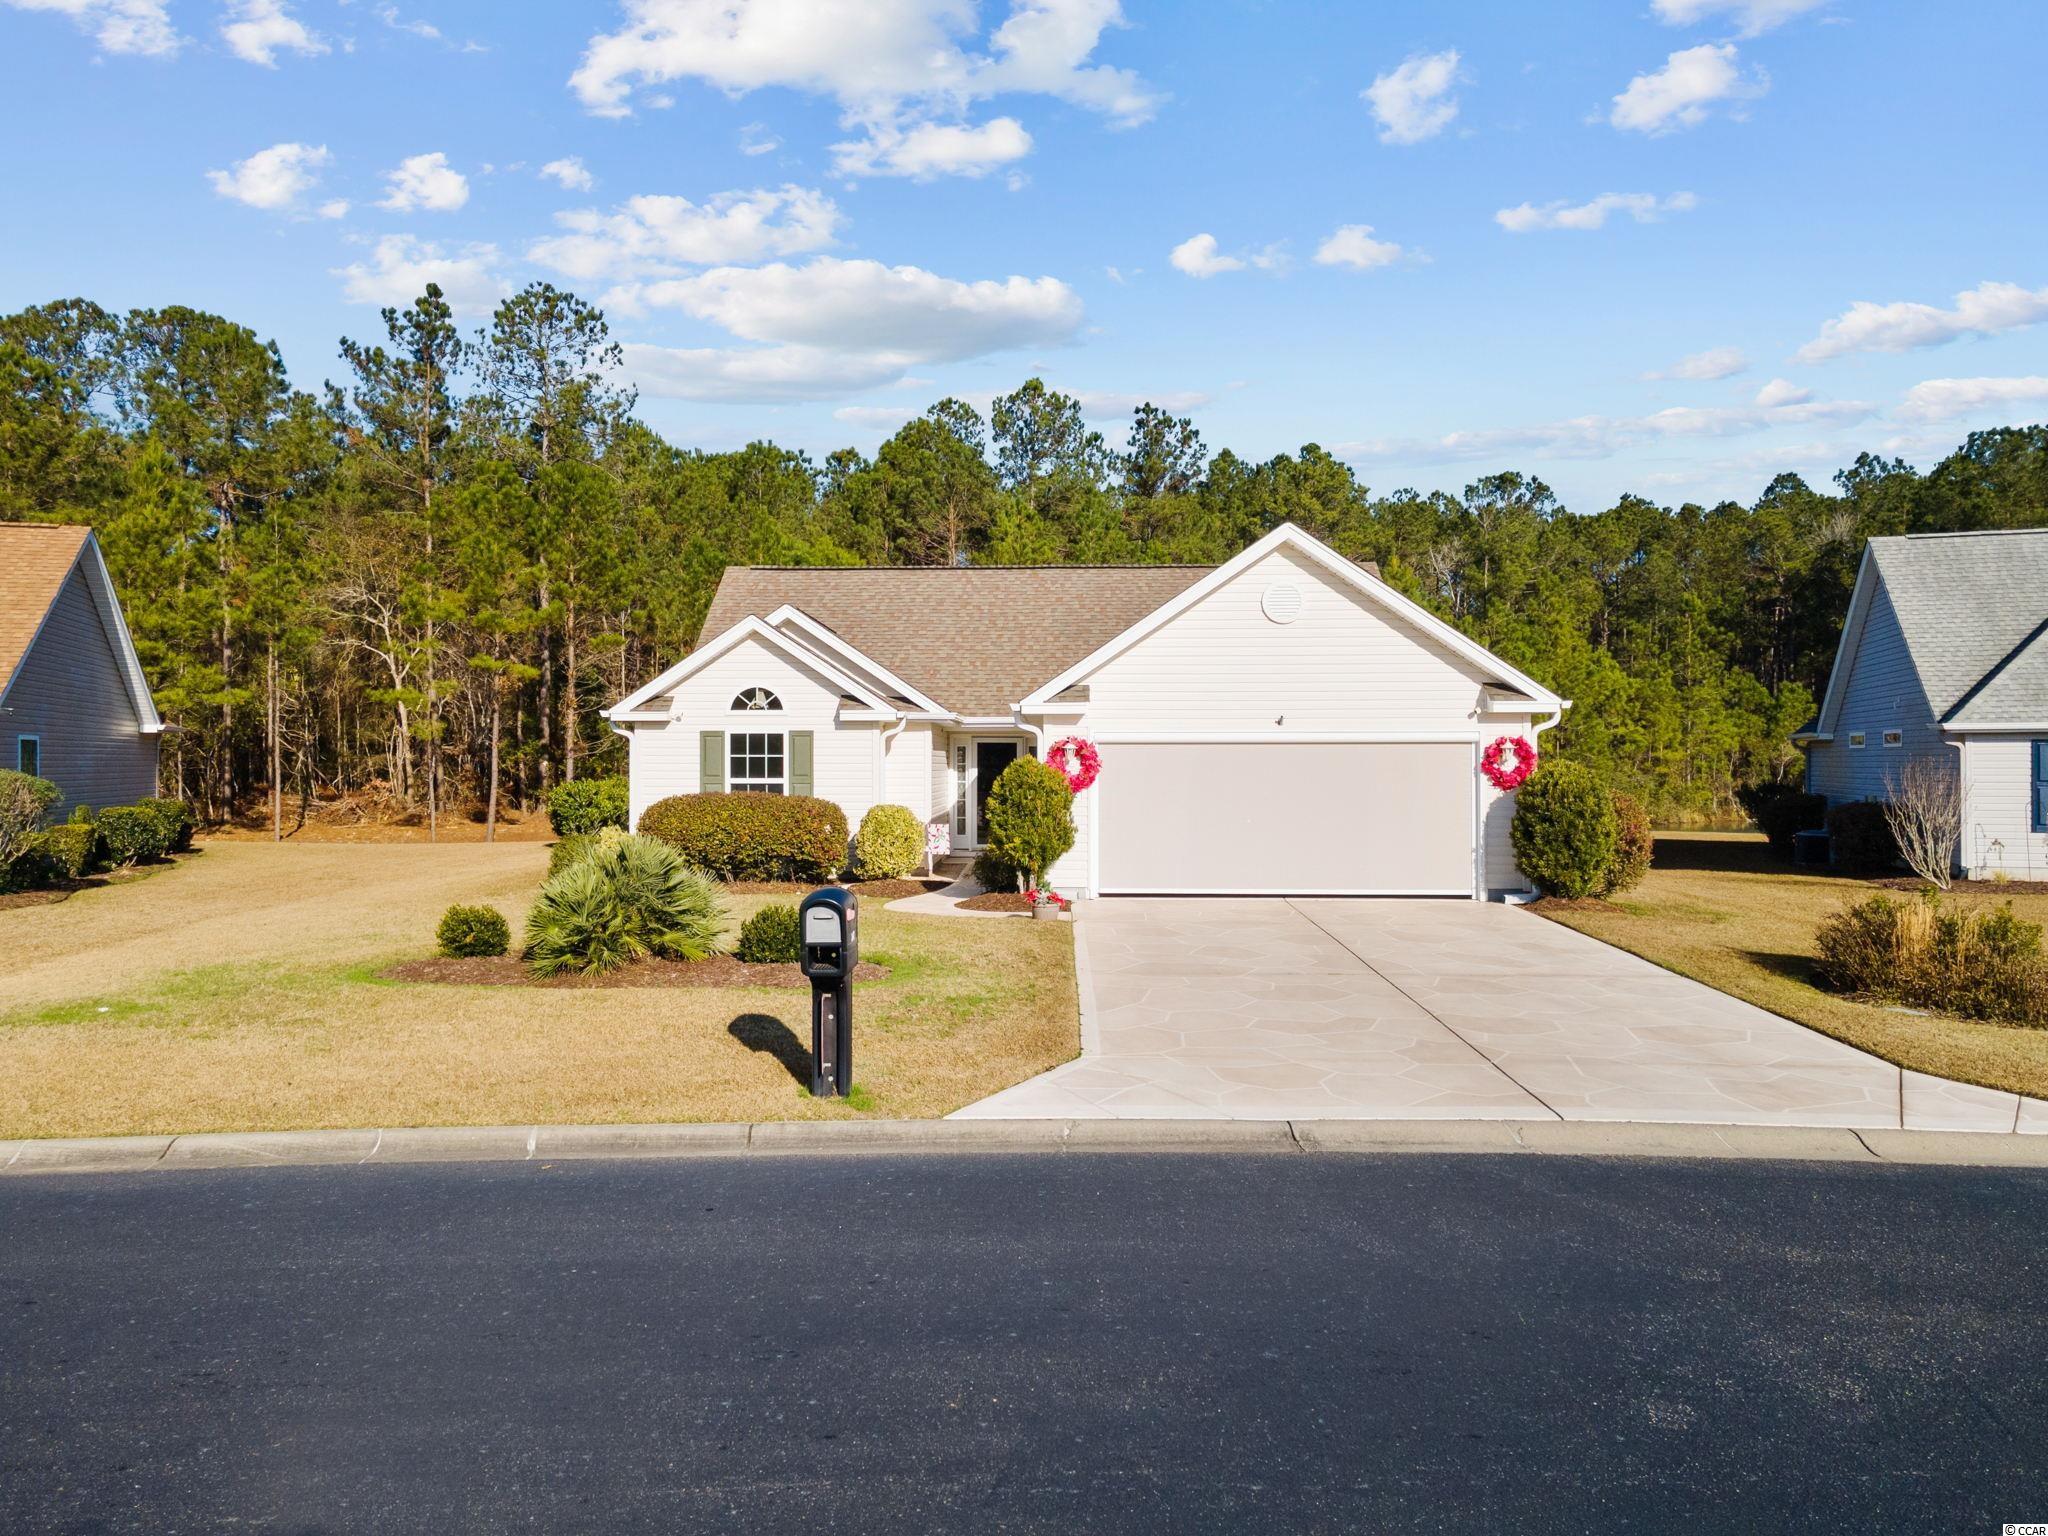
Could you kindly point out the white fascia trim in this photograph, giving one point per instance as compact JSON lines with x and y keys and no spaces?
{"x":1348,"y":571}
{"x":1996,"y":727}
{"x":1852,"y":635}
{"x":988,"y":722}
{"x":1814,"y":738}
{"x":749,"y":628}
{"x":865,"y":716}
{"x":795,"y":618}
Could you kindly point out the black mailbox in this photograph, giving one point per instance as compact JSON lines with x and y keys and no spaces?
{"x":829,"y":949}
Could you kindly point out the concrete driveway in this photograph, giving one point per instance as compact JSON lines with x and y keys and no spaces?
{"x":1291,"y":1009}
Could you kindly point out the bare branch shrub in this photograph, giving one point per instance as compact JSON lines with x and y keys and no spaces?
{"x":1924,"y":807}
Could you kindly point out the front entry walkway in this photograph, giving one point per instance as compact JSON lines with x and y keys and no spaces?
{"x":1299,"y":1009}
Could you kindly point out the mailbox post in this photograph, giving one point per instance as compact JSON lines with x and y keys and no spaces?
{"x":830,"y":924}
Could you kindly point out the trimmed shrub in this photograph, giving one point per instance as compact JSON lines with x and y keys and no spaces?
{"x":1565,"y":831}
{"x":890,"y":843}
{"x":176,"y":818}
{"x":566,"y":850}
{"x":769,"y":936}
{"x":625,"y":899}
{"x":992,"y":872}
{"x":131,"y":834}
{"x":1781,"y":812}
{"x":81,"y":815}
{"x":1634,"y":846}
{"x":752,"y":837}
{"x":587,"y":805}
{"x":1030,"y":817}
{"x":70,"y":849}
{"x":24,"y":800}
{"x":1860,"y":840}
{"x":1979,"y":965}
{"x":471,"y":932}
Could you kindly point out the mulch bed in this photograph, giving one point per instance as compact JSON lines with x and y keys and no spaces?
{"x":876,"y":890}
{"x":1915,"y":884}
{"x":718,"y":971}
{"x":997,"y":901}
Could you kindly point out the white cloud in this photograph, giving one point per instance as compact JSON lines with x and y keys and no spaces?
{"x":1946,"y":399}
{"x":1198,"y":257}
{"x":1643,"y":207}
{"x":831,"y":327}
{"x":1111,"y":405}
{"x":1352,"y":245}
{"x":570,"y":173}
{"x":1599,"y":437}
{"x":652,"y":236}
{"x":1752,"y":17}
{"x":275,"y":178}
{"x":1782,"y":392}
{"x":388,"y":14}
{"x":333,"y":208}
{"x":1985,"y":310}
{"x":1683,"y":93}
{"x":425,"y":181}
{"x":258,"y":29}
{"x":880,"y":418}
{"x":400,"y":267}
{"x":1704,"y":367}
{"x":755,"y":139}
{"x":895,"y":67}
{"x":1414,"y":102}
{"x":926,"y":150}
{"x":118,"y":26}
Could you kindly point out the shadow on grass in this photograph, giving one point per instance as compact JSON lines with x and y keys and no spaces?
{"x":768,"y":1034}
{"x":1737,"y":855}
{"x":1799,"y":968}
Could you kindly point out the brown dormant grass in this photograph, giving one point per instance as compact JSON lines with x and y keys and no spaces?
{"x":241,"y":991}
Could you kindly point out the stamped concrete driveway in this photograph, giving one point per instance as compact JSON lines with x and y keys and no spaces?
{"x":1275,"y":1009}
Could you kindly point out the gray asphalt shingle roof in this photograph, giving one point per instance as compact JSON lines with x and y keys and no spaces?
{"x":1973,"y":607}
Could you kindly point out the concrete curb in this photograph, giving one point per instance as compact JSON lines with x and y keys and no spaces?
{"x":559,"y":1143}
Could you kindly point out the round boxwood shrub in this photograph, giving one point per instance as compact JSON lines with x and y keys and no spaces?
{"x":1030,"y":817}
{"x":1781,"y":812}
{"x":1565,"y":831}
{"x":890,"y":843}
{"x":1634,"y":844}
{"x":752,"y":837}
{"x":132,"y":834}
{"x":587,"y":805}
{"x":770,"y":936}
{"x":1860,"y":840}
{"x":471,"y":932}
{"x":625,"y":899}
{"x":174,"y":816}
{"x":24,"y":799}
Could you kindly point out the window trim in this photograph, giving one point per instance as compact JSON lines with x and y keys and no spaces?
{"x":740,"y":783}
{"x":740,"y":707}
{"x":1893,"y":736}
{"x":27,"y":738}
{"x":1856,"y":741}
{"x":2037,"y":819}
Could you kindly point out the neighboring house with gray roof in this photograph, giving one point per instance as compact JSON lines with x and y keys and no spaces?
{"x":74,"y":704}
{"x":1944,"y":658}
{"x":1284,"y":723}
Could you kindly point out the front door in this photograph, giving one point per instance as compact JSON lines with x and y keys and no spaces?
{"x":990,"y":759}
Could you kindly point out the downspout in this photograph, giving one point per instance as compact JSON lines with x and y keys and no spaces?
{"x":1528,"y":894}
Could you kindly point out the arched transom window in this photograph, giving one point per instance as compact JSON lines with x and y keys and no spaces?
{"x":753,"y":699}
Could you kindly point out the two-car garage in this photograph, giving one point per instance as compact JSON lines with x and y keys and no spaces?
{"x":1279,"y":816}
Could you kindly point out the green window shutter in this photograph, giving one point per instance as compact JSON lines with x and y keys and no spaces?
{"x":710,"y":761}
{"x":800,"y":780}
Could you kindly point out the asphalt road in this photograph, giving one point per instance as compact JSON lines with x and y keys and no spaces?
{"x":1073,"y":1343}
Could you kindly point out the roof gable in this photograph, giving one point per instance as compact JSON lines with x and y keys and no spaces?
{"x":1966,"y":602}
{"x":36,"y":559}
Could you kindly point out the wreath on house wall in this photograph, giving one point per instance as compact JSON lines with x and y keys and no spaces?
{"x":1076,"y":760}
{"x":1508,"y":761}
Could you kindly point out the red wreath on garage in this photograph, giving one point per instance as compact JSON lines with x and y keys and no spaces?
{"x":1076,"y":760}
{"x":1508,"y":762}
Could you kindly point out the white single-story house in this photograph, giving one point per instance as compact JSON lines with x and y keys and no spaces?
{"x":1944,"y":658}
{"x":75,"y":707}
{"x":1284,"y":723}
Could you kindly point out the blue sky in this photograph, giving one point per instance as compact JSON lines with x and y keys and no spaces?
{"x":1670,"y":246}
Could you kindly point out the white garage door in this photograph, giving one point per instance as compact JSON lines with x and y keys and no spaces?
{"x":1286,"y":818}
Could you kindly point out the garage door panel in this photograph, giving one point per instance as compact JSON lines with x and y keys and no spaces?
{"x":1286,"y":817}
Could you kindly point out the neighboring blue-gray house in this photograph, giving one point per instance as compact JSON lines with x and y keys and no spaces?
{"x":74,"y":705}
{"x":1944,"y":656}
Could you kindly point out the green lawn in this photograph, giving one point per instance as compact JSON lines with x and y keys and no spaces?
{"x":242,"y":990}
{"x":1717,"y":907}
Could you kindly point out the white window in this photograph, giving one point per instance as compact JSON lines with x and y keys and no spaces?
{"x":1894,"y":737}
{"x":960,"y":791}
{"x":755,"y":763}
{"x":753,"y":699}
{"x":28,"y":755}
{"x":1856,"y":741}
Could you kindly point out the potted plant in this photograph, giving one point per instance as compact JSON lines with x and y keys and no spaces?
{"x":1050,"y":905}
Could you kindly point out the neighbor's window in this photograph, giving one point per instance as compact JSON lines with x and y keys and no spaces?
{"x":754,"y":763}
{"x":1856,"y":740}
{"x":2041,"y":786}
{"x":28,"y":755}
{"x":1894,"y":737}
{"x":756,"y":698}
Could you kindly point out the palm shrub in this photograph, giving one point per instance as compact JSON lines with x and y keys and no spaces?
{"x":1565,"y":831}
{"x":770,"y":936}
{"x":1030,"y":818}
{"x":889,"y":844}
{"x":625,"y":899}
{"x":1634,"y":846}
{"x":24,"y":800}
{"x":587,"y":805}
{"x":752,"y":837}
{"x":131,"y":834}
{"x":473,"y":932}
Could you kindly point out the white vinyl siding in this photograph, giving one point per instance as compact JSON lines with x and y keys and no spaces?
{"x":1882,"y":693}
{"x":1998,"y":809}
{"x":907,"y":770}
